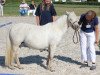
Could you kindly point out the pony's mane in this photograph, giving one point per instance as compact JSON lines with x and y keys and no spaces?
{"x":58,"y":21}
{"x":61,"y":18}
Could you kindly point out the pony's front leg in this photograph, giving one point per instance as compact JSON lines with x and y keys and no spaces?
{"x":51,"y":51}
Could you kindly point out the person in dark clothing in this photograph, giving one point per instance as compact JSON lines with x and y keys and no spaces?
{"x":32,"y":6}
{"x":32,"y":9}
{"x":45,"y":13}
{"x":89,"y":36}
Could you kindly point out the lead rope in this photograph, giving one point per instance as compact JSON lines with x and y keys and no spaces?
{"x":76,"y":33}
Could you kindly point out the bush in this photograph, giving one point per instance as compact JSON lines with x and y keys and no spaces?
{"x":78,"y":3}
{"x":10,"y":1}
{"x":92,"y":0}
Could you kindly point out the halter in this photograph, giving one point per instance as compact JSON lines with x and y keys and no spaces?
{"x":70,"y":21}
{"x":76,"y":32}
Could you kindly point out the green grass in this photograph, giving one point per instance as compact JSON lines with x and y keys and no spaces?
{"x":12,"y":9}
{"x":78,"y":9}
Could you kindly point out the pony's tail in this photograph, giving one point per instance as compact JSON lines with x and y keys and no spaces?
{"x":9,"y":54}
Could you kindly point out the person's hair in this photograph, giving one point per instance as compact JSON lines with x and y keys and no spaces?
{"x":3,"y":2}
{"x":45,"y":6}
{"x":91,"y":13}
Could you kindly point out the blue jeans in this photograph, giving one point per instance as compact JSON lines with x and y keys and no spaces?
{"x":23,"y":12}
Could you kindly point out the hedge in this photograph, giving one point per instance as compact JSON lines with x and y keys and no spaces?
{"x":78,"y":3}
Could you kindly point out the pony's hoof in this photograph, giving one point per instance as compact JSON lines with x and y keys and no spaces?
{"x":50,"y":69}
{"x":11,"y":67}
{"x":20,"y":67}
{"x":41,"y":50}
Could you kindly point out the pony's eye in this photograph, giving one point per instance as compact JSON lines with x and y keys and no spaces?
{"x":70,"y":19}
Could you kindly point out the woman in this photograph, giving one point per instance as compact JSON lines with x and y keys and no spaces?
{"x":23,"y":8}
{"x":32,"y":9}
{"x":89,"y":37}
{"x":45,"y":12}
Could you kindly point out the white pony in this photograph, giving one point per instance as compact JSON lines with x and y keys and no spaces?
{"x":39,"y":37}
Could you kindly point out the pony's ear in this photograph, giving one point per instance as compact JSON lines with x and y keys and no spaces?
{"x":73,"y":12}
{"x":67,"y":12}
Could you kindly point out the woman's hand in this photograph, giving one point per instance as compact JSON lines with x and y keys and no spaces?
{"x":97,"y":42}
{"x":97,"y":35}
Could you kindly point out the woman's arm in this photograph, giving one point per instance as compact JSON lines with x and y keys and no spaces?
{"x":81,"y":19}
{"x":38,"y":14}
{"x":54,"y":18}
{"x":53,"y":12}
{"x":97,"y":34}
{"x":37,"y":20}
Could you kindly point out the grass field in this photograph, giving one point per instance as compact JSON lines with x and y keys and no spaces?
{"x":12,"y":9}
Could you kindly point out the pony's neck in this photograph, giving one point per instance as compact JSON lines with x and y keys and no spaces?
{"x":61,"y":23}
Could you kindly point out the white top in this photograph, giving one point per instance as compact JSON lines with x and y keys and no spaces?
{"x":24,"y":5}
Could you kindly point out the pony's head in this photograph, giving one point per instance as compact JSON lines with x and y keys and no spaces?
{"x":72,"y":20}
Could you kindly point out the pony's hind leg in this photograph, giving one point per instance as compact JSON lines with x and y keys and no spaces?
{"x":16,"y":58}
{"x":11,"y":65}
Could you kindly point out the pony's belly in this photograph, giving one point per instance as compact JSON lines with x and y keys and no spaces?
{"x":37,"y":45}
{"x":38,"y":41}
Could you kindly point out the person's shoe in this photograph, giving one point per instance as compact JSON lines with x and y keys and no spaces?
{"x":85,"y":64}
{"x":93,"y":66}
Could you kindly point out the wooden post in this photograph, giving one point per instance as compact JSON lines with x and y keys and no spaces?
{"x":1,"y":7}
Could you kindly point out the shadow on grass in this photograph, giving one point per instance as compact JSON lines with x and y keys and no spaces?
{"x":33,"y":59}
{"x":2,"y":60}
{"x":27,"y":60}
{"x":39,"y":60}
{"x":68,"y":59}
